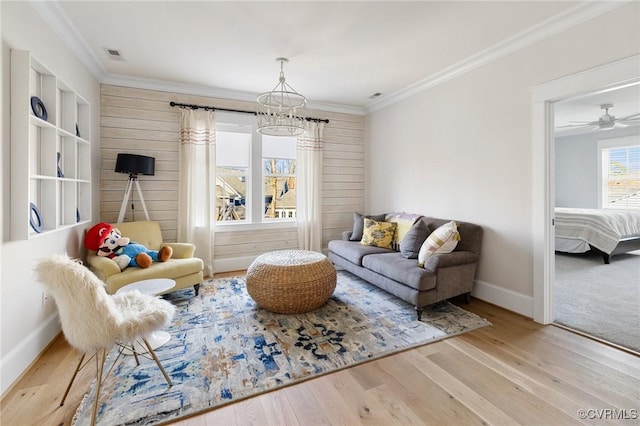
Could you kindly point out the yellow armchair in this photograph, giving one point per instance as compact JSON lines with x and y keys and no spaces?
{"x":185,"y":269}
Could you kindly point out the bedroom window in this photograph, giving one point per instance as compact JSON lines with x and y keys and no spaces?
{"x":255,"y":174}
{"x":620,"y":173}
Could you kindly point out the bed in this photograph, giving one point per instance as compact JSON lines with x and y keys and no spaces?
{"x":606,"y":231}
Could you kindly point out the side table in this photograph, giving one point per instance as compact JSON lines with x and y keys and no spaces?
{"x":153,"y":286}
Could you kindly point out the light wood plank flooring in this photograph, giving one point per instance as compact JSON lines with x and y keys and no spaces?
{"x":514,"y":372}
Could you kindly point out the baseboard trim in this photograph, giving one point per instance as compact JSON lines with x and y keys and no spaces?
{"x":504,"y":298}
{"x":232,"y":264}
{"x":27,"y":352}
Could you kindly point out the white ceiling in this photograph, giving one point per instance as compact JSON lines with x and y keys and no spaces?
{"x":587,"y":108}
{"x":341,"y":53}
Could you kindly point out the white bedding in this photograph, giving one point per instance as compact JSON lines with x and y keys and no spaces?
{"x":577,"y":228}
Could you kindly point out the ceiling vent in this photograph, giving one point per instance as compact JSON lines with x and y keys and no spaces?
{"x":114,"y":54}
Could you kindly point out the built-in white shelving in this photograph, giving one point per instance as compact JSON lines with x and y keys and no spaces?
{"x":50,"y":153}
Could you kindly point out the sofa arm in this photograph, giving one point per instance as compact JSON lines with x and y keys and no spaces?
{"x":103,"y":267}
{"x":182,"y":250}
{"x":450,"y":259}
{"x":346,"y":235}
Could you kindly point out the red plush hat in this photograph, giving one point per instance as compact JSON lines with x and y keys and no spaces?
{"x":96,"y":235}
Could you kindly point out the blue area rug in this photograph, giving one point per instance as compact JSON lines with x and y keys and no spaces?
{"x":223,"y":348}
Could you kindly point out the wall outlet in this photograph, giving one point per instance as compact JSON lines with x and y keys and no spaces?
{"x":45,"y":297}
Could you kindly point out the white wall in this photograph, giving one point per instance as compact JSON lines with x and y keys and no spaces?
{"x":576,"y":164}
{"x":463,"y":149}
{"x":27,"y":326}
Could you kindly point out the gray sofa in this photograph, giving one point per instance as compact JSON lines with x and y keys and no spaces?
{"x":443,"y":276}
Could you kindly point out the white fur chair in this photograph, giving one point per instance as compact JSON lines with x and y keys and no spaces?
{"x":93,"y":321}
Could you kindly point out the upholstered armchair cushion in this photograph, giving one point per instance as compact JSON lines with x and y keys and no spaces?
{"x":185,"y":269}
{"x":147,"y":233}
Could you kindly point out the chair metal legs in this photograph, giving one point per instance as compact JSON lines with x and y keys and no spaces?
{"x":155,"y":358}
{"x":75,"y":373}
{"x":101,"y":356}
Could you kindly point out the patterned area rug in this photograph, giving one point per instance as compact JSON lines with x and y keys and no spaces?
{"x":223,"y":348}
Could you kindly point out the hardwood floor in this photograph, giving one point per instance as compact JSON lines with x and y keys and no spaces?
{"x":514,"y":372}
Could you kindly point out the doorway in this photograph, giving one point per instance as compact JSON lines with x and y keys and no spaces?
{"x":597,"y":172}
{"x":598,"y":80}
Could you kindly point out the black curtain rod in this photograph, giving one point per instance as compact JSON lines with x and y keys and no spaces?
{"x":211,"y":108}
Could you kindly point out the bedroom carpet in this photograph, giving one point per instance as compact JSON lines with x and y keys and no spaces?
{"x":224,"y":349}
{"x":597,"y":299}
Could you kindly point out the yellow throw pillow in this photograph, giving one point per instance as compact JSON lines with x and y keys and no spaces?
{"x":442,"y":240}
{"x":378,"y":234}
{"x":405,"y":221}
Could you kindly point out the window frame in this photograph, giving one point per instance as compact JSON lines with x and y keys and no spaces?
{"x":607,"y":144}
{"x":277,"y":175}
{"x":254,"y":215}
{"x":247,"y":130}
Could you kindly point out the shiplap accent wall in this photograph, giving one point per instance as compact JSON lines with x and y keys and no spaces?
{"x":141,"y":121}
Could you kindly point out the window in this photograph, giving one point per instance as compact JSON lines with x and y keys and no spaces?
{"x":233,"y":155}
{"x":255,"y":174}
{"x":619,"y":163}
{"x":279,"y":177}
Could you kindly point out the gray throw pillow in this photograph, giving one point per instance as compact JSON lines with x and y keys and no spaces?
{"x":413,"y":239}
{"x":358,"y":224}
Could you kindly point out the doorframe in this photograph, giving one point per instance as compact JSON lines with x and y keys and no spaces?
{"x":596,"y":80}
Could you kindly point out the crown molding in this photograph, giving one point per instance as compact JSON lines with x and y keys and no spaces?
{"x":214,"y":92}
{"x":332,"y":107}
{"x":556,"y":24}
{"x":54,"y":15}
{"x":174,"y":87}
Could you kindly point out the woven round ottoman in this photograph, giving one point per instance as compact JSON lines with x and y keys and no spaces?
{"x":291,"y":281}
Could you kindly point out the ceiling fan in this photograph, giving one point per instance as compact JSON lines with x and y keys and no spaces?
{"x":606,"y":121}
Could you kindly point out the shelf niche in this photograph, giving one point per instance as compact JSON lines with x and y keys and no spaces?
{"x":50,"y":152}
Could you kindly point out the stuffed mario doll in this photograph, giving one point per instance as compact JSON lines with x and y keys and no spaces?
{"x":107,"y":241}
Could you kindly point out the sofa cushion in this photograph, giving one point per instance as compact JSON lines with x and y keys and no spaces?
{"x":147,"y":233}
{"x":172,"y":268}
{"x":470,"y":233}
{"x":412,"y":241}
{"x":398,"y":268}
{"x":358,"y":224}
{"x":379,"y":234}
{"x":354,"y":251}
{"x":443,"y":240}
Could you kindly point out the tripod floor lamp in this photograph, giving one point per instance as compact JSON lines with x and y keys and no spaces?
{"x":134,"y":165}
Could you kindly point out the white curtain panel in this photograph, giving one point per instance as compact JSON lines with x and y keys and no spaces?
{"x":309,"y":192}
{"x":197,"y":189}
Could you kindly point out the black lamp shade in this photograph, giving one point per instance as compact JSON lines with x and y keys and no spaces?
{"x":135,"y":164}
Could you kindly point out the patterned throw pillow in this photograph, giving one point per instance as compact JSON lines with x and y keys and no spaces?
{"x":379,"y":234}
{"x":442,"y":240}
{"x":358,"y":223}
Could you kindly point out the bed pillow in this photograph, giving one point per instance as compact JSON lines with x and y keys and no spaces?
{"x":413,"y":240}
{"x":358,"y":223}
{"x":378,"y":234}
{"x":442,"y":240}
